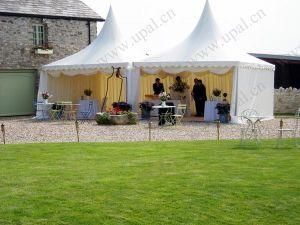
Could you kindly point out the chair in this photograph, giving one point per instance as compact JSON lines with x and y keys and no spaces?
{"x":69,"y":111}
{"x":294,"y":130}
{"x":56,"y":111}
{"x":165,"y":115}
{"x":180,"y":112}
{"x":250,"y":129}
{"x":86,"y":113}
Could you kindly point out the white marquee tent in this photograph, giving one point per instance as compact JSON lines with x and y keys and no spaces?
{"x":89,"y":68}
{"x":205,"y":50}
{"x":251,"y":80}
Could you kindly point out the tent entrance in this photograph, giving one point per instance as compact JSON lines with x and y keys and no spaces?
{"x":209,"y":79}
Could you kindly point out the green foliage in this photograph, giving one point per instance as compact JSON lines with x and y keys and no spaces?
{"x":106,"y":118}
{"x":217,"y":92}
{"x":132,"y":118}
{"x":149,"y":183}
{"x":103,"y":119}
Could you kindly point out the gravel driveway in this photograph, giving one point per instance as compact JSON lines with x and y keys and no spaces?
{"x":28,"y":130}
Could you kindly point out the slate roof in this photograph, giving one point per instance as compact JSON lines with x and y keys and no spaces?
{"x":75,"y":9}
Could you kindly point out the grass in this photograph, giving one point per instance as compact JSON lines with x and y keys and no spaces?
{"x":149,"y":183}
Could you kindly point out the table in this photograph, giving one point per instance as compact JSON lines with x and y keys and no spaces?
{"x":157,"y":102}
{"x":210,"y":111}
{"x":165,"y":114}
{"x":84,"y":107}
{"x":68,"y":110}
{"x":252,"y":129}
{"x":42,"y":110}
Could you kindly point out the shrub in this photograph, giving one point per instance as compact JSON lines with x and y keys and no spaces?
{"x":132,"y":118}
{"x":103,"y":119}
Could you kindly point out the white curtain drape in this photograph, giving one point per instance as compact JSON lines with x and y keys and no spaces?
{"x":133,"y":90}
{"x":172,"y":70}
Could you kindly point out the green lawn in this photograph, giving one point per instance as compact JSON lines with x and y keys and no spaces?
{"x":149,"y":183}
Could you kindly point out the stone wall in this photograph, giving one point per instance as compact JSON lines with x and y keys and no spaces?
{"x":287,"y":100}
{"x":16,"y":37}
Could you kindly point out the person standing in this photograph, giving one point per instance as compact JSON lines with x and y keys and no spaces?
{"x":203,"y":97}
{"x":158,"y":87}
{"x":199,"y":95}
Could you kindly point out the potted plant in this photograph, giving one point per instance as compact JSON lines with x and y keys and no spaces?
{"x":46,"y":95}
{"x":223,"y":111}
{"x":224,"y":97}
{"x":164,"y":97}
{"x":88,"y":92}
{"x":45,"y":49}
{"x":120,"y":113}
{"x":146,"y":108}
{"x":122,"y":106}
{"x":216,"y":94}
{"x":179,"y":85}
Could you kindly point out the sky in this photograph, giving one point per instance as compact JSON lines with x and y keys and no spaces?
{"x":276,"y":30}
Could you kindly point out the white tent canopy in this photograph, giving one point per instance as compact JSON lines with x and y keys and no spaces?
{"x":98,"y":57}
{"x":206,"y":49}
{"x":95,"y":56}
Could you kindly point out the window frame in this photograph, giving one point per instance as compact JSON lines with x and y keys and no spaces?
{"x":39,"y":34}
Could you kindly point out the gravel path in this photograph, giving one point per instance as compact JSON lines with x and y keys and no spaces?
{"x":27,"y":130}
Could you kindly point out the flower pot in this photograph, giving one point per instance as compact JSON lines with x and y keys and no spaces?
{"x":43,"y":51}
{"x":163,"y":103}
{"x":145,"y":114}
{"x":223,"y":118}
{"x":119,"y":119}
{"x":46,"y":101}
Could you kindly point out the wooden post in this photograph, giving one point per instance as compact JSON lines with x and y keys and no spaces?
{"x":3,"y":132}
{"x":150,"y":126}
{"x":281,"y":127}
{"x":218,"y":129}
{"x":77,"y":129}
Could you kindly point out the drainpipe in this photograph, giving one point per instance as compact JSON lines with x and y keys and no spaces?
{"x":89,"y":31}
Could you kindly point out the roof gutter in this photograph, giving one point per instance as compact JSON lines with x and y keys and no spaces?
{"x":99,"y":19}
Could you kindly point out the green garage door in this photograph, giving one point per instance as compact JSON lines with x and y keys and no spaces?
{"x":17,"y":92}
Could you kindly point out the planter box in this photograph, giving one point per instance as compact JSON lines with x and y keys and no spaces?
{"x":119,"y":119}
{"x":224,"y":118}
{"x":146,"y":114}
{"x":43,"y":51}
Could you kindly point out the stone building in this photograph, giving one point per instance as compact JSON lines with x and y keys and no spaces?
{"x":287,"y":82}
{"x":34,"y":33}
{"x":287,"y":69}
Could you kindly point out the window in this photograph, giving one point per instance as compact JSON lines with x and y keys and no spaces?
{"x":38,"y":35}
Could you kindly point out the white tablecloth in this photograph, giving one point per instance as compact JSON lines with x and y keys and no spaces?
{"x":210,"y":111}
{"x":154,"y":112}
{"x":84,"y":106}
